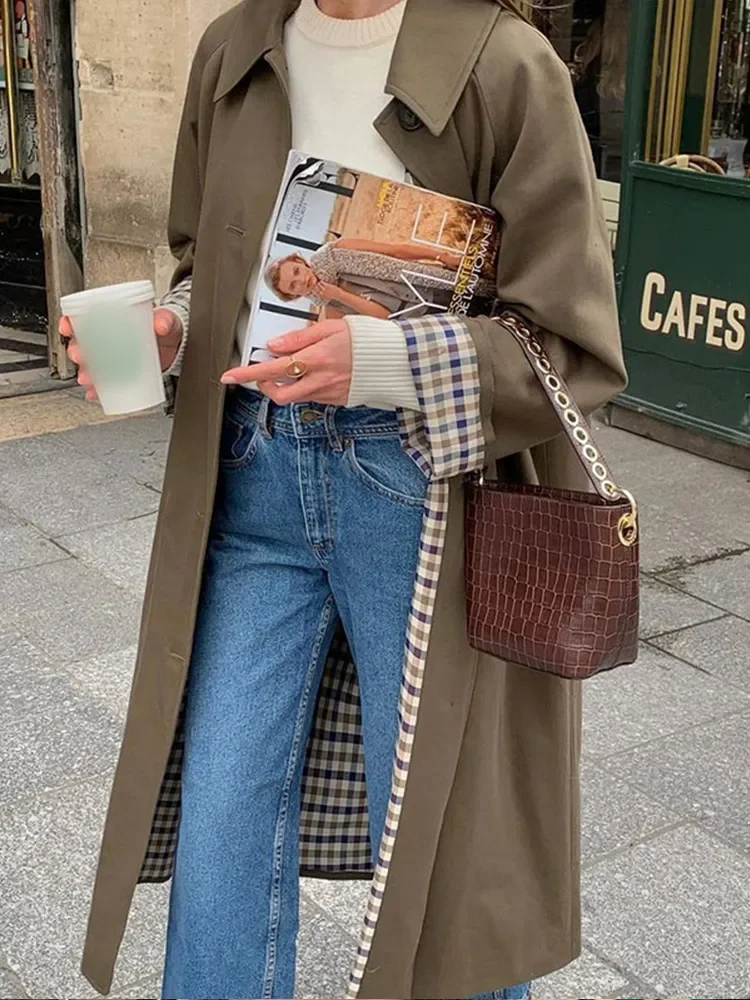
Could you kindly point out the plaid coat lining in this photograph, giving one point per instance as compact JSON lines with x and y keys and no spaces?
{"x":446,"y":440}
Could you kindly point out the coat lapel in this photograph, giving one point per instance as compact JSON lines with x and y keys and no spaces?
{"x":437,"y":49}
{"x":253,"y":135}
{"x":434,"y":57}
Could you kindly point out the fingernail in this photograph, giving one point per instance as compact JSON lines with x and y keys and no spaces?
{"x":275,"y":342}
{"x":228,"y":380}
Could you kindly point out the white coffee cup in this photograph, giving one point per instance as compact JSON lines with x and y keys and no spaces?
{"x":115,"y":329}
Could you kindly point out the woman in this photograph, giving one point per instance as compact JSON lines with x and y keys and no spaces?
{"x":367,"y":278}
{"x":326,"y":504}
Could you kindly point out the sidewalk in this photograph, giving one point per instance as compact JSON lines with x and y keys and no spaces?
{"x":667,"y":744}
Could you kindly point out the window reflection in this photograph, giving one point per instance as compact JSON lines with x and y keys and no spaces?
{"x":730,"y":111}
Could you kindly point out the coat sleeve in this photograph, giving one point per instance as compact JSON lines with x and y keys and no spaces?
{"x":555,"y":264}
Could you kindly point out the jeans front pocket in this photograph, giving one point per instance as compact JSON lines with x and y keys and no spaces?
{"x":382,"y":465}
{"x":239,"y":442}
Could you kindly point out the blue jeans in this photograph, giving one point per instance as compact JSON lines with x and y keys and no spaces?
{"x":317,"y":517}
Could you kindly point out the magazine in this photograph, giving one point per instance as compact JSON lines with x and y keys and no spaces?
{"x":342,"y":242}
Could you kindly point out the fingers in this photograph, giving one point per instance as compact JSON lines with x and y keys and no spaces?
{"x":262,"y":371}
{"x":65,"y":328}
{"x":308,"y":389}
{"x":84,"y":379}
{"x":166,"y":322}
{"x":74,"y":353}
{"x":298,"y":340}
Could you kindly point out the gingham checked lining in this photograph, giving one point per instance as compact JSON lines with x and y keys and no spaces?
{"x":446,"y":440}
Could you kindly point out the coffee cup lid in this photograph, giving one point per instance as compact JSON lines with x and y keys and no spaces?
{"x":125,"y":293}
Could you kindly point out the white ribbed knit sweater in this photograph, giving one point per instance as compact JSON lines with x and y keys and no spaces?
{"x":337,"y":73}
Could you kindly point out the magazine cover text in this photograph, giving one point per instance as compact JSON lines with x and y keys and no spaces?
{"x":345,"y":243}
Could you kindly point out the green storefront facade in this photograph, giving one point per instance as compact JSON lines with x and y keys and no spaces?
{"x":683,"y":240}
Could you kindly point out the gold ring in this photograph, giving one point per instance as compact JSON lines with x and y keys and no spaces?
{"x":295,"y":369}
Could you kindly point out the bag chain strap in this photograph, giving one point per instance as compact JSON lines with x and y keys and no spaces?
{"x":575,"y":425}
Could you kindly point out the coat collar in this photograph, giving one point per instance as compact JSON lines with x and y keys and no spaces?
{"x":428,"y":78}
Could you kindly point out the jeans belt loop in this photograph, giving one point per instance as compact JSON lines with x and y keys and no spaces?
{"x":263,"y":420}
{"x":331,"y":430}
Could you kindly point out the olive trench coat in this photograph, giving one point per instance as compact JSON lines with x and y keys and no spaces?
{"x":481,"y":888}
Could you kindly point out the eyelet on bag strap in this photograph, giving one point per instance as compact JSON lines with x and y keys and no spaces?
{"x":574,"y":424}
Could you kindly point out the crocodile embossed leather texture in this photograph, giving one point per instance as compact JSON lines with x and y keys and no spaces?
{"x":552,"y":575}
{"x":549,"y":584}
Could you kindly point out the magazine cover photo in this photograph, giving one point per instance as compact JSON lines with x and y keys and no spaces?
{"x":342,"y":242}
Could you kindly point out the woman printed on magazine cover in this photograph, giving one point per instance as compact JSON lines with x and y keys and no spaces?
{"x":305,"y":698}
{"x":368,"y":278}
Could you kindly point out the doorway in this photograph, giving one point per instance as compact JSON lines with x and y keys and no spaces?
{"x":40,"y":203}
{"x":23,"y":306}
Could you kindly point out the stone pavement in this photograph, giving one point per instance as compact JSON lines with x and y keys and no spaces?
{"x":667,"y":744}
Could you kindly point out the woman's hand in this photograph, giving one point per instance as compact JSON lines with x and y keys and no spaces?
{"x":326,"y":351}
{"x":326,"y":291}
{"x":168,"y":331}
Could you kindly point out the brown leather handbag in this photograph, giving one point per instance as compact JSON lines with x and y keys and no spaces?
{"x":552,"y":575}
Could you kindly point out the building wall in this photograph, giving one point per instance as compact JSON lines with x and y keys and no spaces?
{"x":133,"y":62}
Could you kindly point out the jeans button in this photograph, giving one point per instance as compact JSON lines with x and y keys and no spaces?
{"x":309,"y":416}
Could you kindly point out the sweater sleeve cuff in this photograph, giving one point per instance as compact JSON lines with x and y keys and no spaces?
{"x":178,"y":303}
{"x":176,"y":367}
{"x":381,"y":370}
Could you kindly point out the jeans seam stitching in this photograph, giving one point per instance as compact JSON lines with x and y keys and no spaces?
{"x":368,"y":481}
{"x":275,"y":900}
{"x":234,"y":464}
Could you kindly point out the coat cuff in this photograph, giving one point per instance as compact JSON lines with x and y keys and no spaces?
{"x":381,"y":371}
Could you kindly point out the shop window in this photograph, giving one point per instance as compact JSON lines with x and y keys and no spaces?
{"x":727,"y":105}
{"x":699,"y":113}
{"x":591,"y":36}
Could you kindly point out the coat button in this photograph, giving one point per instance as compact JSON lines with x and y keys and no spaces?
{"x":408,"y":120}
{"x":309,"y":416}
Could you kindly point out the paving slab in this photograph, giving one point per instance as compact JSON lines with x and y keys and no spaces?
{"x":653,"y":698}
{"x":723,"y":582}
{"x":700,"y":774}
{"x":43,"y":752}
{"x":60,"y":490}
{"x":48,"y":855}
{"x":105,"y":681}
{"x":615,"y":815}
{"x":677,"y":528}
{"x":30,"y":686}
{"x":343,"y":901}
{"x":135,"y":447}
{"x":150,"y":990}
{"x":21,"y":544}
{"x":674,"y":912}
{"x":325,"y":955}
{"x":120,"y":552}
{"x":68,"y":611}
{"x":11,"y":987}
{"x":587,"y":976}
{"x":665,"y":608}
{"x":720,"y":647}
{"x":32,"y":415}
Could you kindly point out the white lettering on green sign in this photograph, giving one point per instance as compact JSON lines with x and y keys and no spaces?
{"x":692,"y":317}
